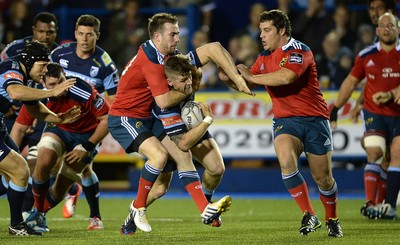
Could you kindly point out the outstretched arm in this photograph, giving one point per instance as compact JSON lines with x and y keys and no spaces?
{"x":219,"y":55}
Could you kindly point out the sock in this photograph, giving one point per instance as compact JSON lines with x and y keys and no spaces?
{"x":208,"y":193}
{"x":73,"y":189}
{"x":49,"y":203}
{"x":15,"y":195}
{"x":372,"y":172}
{"x":382,"y":186}
{"x":3,"y":186}
{"x":28,"y":200}
{"x":148,"y":177}
{"x":297,"y":188}
{"x":329,"y":200}
{"x":191,"y":181}
{"x":39,"y":189}
{"x":393,"y":185}
{"x":92,"y":192}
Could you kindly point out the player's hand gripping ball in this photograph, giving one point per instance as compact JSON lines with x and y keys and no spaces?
{"x":191,"y":114}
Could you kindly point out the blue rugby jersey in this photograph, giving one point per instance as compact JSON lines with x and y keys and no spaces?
{"x":98,"y":70}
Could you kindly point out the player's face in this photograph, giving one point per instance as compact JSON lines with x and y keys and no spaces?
{"x":51,"y":82}
{"x":86,"y":39}
{"x":269,"y":35}
{"x":181,"y":83}
{"x":45,"y":33}
{"x":38,"y":70}
{"x":387,"y":30}
{"x":169,"y":38}
{"x":376,"y":9}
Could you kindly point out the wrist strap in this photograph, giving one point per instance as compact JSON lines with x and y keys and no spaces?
{"x":89,"y":146}
{"x":209,"y":120}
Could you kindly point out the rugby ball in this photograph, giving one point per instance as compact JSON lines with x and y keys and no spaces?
{"x":191,"y":114}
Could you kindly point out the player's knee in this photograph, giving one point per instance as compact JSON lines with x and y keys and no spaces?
{"x":376,"y":148}
{"x":216,"y":170}
{"x":70,"y":173}
{"x":51,"y":144}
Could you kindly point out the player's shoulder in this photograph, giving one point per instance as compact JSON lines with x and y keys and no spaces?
{"x":102,"y":56}
{"x":294,"y":44}
{"x":64,"y":49}
{"x":151,"y":53}
{"x":369,"y":50}
{"x":15,"y":47}
{"x":10,"y":64}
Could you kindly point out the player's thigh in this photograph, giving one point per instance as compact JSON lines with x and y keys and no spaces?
{"x":15,"y":167}
{"x":288,"y":149}
{"x":182,"y":159}
{"x":209,"y":155}
{"x":155,"y":152}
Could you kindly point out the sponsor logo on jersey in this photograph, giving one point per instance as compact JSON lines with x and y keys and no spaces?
{"x":94,"y":71}
{"x":64,"y":63}
{"x":106,"y":59}
{"x":387,"y":72}
{"x":98,"y":102}
{"x":170,"y":121}
{"x":13,"y":75}
{"x":283,"y":61}
{"x":296,"y":58}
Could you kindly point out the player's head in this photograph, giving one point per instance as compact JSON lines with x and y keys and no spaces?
{"x":377,"y":7}
{"x":164,"y":32}
{"x":34,"y":57}
{"x":275,"y":29}
{"x":179,"y":71}
{"x":44,"y":28}
{"x":87,"y":32}
{"x":387,"y":30}
{"x":54,"y":75}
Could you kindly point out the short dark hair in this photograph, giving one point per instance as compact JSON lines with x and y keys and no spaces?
{"x":45,"y":17}
{"x":88,"y":20}
{"x":279,"y":19}
{"x":157,"y":21}
{"x":54,"y":70}
{"x":178,"y":64}
{"x":389,"y":4}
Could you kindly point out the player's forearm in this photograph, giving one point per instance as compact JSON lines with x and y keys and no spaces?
{"x":346,"y":90}
{"x":220,"y":56}
{"x":190,"y":138}
{"x":43,"y":113}
{"x":24,"y":93}
{"x":101,"y":131}
{"x":169,"y":99}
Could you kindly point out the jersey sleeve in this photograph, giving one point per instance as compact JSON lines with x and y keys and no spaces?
{"x":111,"y":79}
{"x":298,"y":61}
{"x":24,"y":117}
{"x":98,"y":105}
{"x":358,"y":70}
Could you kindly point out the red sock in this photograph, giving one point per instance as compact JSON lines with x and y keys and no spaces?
{"x":195,"y":190}
{"x":39,"y":196}
{"x":329,"y":205}
{"x":371,"y":180}
{"x":143,"y":191}
{"x":300,"y":195}
{"x":381,"y":193}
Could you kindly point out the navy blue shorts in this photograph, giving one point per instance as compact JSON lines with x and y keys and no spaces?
{"x":314,"y":132}
{"x":385,"y":126}
{"x":130,"y":132}
{"x":73,"y":139}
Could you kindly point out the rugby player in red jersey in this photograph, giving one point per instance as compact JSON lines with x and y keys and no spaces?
{"x":287,"y":69}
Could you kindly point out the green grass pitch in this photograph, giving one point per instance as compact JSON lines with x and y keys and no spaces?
{"x":177,"y":221}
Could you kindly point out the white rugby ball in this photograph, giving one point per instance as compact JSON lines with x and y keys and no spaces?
{"x":191,"y":114}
